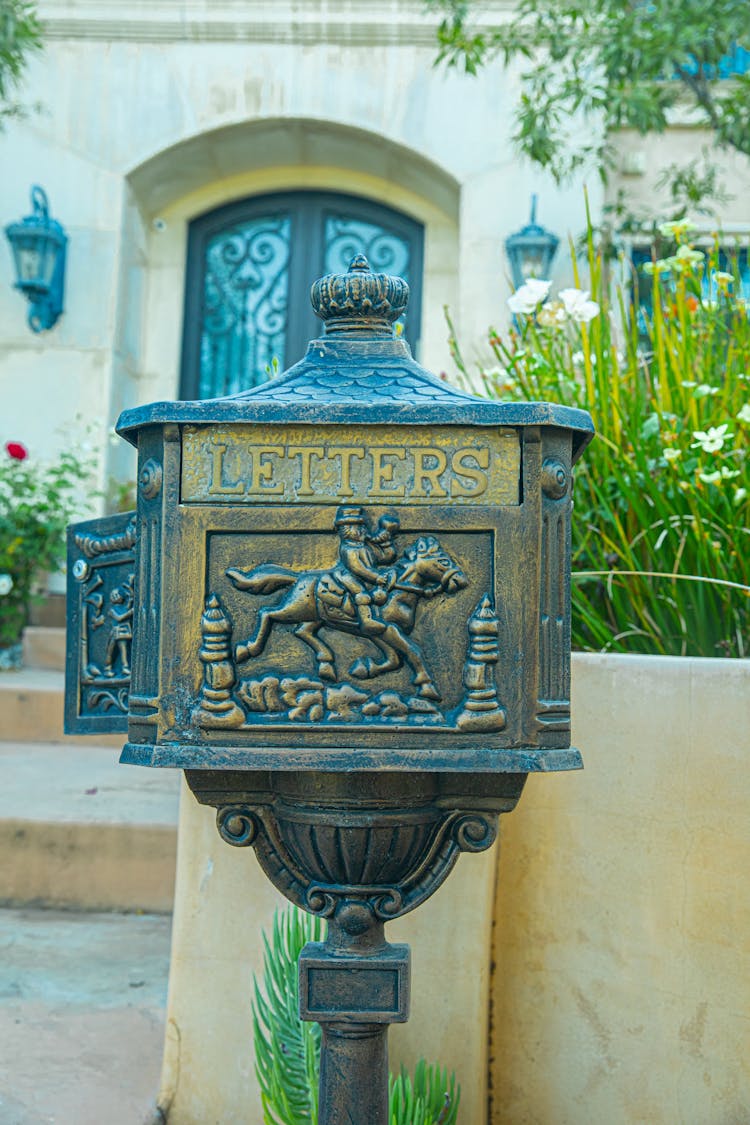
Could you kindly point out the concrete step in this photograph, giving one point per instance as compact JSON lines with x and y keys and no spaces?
{"x":82,"y":1013}
{"x":50,"y":611}
{"x":44,"y":647}
{"x":79,"y":830}
{"x":31,"y":708}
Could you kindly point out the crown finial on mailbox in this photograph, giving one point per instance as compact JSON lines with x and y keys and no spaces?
{"x":359,"y":301}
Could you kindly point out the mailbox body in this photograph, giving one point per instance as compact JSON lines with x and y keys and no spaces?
{"x":352,"y":567}
{"x":343,"y":608}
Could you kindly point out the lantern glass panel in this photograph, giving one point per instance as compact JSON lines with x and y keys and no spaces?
{"x":49,"y":249}
{"x":28,"y":261}
{"x":35,"y":254}
{"x":534,"y":263}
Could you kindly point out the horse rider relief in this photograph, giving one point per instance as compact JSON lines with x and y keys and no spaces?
{"x":360,"y":556}
{"x":373,"y":591}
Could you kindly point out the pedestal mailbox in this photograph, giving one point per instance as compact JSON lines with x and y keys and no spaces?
{"x":342,"y":607}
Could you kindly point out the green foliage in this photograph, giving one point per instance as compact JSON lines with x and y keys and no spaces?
{"x":430,"y":1099}
{"x":119,"y":496}
{"x":287,"y":1051}
{"x":20,"y":35}
{"x":661,"y":535}
{"x":614,"y":65}
{"x":37,"y":502}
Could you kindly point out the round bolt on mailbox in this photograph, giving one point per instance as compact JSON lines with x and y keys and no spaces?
{"x":347,"y":597}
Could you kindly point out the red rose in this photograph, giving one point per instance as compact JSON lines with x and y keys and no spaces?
{"x":17,"y":451}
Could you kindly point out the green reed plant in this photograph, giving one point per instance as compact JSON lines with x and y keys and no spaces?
{"x":661,"y":544}
{"x":287,"y":1050}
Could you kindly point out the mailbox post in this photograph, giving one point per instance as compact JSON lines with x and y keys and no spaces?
{"x":342,"y":608}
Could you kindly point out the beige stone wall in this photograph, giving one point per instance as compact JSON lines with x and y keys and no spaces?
{"x":155,"y":112}
{"x":641,"y":161}
{"x":621,"y":986}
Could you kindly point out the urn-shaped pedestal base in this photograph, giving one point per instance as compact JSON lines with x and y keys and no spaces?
{"x":359,"y":854}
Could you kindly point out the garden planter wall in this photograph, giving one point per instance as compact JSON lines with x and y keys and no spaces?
{"x":622,"y":964}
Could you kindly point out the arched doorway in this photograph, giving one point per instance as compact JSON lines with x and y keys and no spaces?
{"x":250,"y":265}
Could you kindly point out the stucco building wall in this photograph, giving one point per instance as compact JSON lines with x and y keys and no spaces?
{"x":153,"y":114}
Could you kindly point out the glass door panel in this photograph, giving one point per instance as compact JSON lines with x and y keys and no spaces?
{"x":250,"y":266}
{"x":246,"y":289}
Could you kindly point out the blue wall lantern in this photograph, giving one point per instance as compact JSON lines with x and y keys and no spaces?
{"x":38,"y":244}
{"x":531,"y":250}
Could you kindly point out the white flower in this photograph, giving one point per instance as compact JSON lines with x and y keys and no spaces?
{"x":686,"y":256}
{"x":671,"y":454}
{"x":729,"y":474}
{"x":525,"y":299}
{"x":705,"y":390}
{"x":662,"y":265}
{"x":744,"y":414}
{"x":552,"y":315}
{"x":711,"y":440}
{"x":578,"y":306}
{"x":6,"y":584}
{"x":499,"y":378}
{"x":710,"y":478}
{"x":677,"y":228}
{"x":739,"y":495}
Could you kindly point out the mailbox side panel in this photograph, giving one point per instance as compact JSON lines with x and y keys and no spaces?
{"x":158,"y":485}
{"x":100,"y":603}
{"x":553,"y":688}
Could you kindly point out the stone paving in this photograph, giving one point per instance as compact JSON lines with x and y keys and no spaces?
{"x":82,"y":1009}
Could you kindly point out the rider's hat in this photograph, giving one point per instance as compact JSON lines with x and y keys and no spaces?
{"x":348,"y":514}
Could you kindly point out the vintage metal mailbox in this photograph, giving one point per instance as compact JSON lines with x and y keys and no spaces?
{"x":343,"y":609}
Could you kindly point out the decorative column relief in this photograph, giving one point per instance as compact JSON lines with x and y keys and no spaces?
{"x":481,"y":708}
{"x":553,"y":704}
{"x":101,"y":595}
{"x":144,"y":699}
{"x":216,"y":707}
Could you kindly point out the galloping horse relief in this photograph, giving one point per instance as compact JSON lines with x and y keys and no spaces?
{"x":372,"y":593}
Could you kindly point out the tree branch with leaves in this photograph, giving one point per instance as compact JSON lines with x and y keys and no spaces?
{"x":20,"y":37}
{"x":610,"y":64}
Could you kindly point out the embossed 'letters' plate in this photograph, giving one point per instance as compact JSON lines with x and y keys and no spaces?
{"x":330,"y":465}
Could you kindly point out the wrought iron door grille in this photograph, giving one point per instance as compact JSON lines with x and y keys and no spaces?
{"x":249,"y":269}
